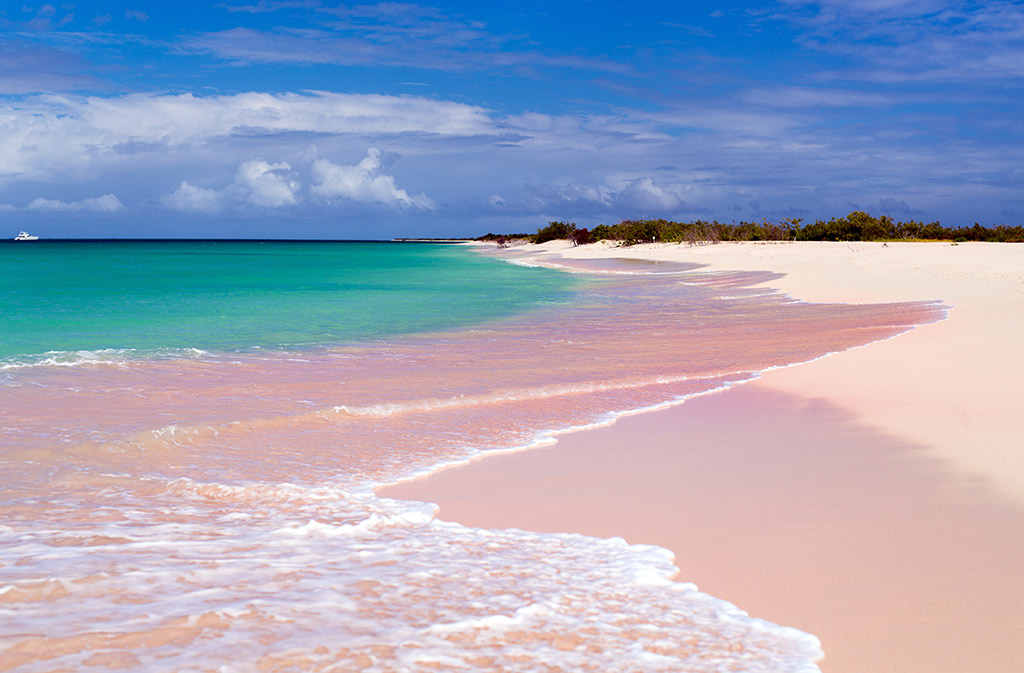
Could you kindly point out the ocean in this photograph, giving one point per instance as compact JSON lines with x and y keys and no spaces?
{"x":192,"y":433}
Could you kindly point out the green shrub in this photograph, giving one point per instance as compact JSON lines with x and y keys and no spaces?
{"x":601,"y":232}
{"x":554,"y":231}
{"x":857,"y":226}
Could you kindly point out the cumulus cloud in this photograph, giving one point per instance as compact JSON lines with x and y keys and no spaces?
{"x":366,"y":182}
{"x":261,"y":184}
{"x":257,"y":183}
{"x":266,"y":185}
{"x":107,"y":203}
{"x":190,"y":198}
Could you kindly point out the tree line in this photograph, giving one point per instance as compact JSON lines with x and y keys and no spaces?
{"x":857,"y":226}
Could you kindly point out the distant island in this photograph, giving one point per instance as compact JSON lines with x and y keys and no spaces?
{"x":857,"y":226}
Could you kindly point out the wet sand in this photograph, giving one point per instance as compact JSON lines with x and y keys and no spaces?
{"x":874,"y":498}
{"x":789,"y":508}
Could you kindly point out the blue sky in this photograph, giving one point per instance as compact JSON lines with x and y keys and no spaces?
{"x":302,"y":118}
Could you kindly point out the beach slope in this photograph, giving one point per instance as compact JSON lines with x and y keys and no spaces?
{"x":873,"y":497}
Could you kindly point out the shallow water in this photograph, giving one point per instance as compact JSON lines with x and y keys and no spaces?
{"x":216,"y":511}
{"x":172,"y":296}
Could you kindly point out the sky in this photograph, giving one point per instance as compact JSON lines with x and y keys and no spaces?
{"x":313,"y":119}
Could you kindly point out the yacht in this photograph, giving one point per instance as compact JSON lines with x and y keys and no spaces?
{"x":25,"y":236}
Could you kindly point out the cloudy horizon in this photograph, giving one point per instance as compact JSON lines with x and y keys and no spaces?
{"x":311,"y":119}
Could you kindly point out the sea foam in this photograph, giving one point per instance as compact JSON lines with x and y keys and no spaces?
{"x":218,"y":512}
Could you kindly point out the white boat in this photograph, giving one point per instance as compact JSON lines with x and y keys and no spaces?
{"x":25,"y":236}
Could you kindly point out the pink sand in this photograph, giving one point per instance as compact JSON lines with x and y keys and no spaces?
{"x":790,"y":509}
{"x":874,"y":498}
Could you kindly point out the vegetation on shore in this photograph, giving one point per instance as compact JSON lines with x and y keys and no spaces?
{"x":857,"y":226}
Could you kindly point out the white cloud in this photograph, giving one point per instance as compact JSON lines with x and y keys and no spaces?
{"x":647,"y":195}
{"x":52,"y":136}
{"x":190,"y":198}
{"x":366,"y":182}
{"x":809,"y":97}
{"x":406,"y":35}
{"x":631,"y":197}
{"x":257,"y":183}
{"x":107,"y":203}
{"x":915,"y":40}
{"x":781,"y":145}
{"x":266,"y":185}
{"x":880,"y":7}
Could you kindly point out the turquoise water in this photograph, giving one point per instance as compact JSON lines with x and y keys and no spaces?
{"x":159,"y":511}
{"x":232,"y":295}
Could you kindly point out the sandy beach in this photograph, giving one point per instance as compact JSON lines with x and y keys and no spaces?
{"x":873,"y":497}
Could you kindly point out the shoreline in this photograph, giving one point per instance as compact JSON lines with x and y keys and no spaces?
{"x":938,"y":402}
{"x":963,"y":364}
